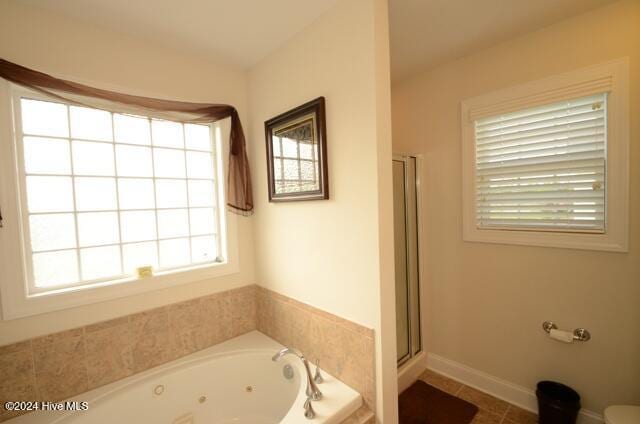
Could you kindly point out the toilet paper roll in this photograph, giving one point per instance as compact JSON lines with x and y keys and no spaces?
{"x":561,"y":335}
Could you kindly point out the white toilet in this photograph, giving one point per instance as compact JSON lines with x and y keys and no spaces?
{"x":622,"y":414}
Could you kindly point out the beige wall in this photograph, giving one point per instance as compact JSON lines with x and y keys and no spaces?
{"x":485,"y":302}
{"x":67,"y":48}
{"x":328,"y":253}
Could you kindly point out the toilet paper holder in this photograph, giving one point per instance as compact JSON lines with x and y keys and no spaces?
{"x":579,"y":334}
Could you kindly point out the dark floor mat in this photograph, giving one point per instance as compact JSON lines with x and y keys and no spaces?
{"x":424,"y":404}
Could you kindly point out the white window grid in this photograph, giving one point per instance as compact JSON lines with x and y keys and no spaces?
{"x":25,"y":214}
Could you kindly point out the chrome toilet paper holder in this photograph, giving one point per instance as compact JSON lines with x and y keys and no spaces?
{"x":579,"y":334}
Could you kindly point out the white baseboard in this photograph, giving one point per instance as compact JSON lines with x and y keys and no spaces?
{"x":517,"y":395}
{"x":411,"y":370}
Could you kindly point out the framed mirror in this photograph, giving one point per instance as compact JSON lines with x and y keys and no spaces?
{"x":297,"y":154}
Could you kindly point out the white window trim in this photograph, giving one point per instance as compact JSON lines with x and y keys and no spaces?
{"x":611,"y":77}
{"x":15,"y":300}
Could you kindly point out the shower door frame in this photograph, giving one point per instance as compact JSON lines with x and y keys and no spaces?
{"x":414,"y":290}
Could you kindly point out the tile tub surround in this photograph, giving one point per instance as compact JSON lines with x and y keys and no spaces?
{"x":64,"y":364}
{"x":345,"y":349}
{"x":61,"y":365}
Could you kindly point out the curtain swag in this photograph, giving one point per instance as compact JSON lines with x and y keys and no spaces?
{"x":239,"y":189}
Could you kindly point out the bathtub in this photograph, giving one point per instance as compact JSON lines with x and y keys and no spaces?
{"x":232,"y":382}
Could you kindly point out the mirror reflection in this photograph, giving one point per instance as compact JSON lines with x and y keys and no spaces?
{"x":295,"y":156}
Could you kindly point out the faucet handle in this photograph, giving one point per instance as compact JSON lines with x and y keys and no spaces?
{"x":309,"y":413}
{"x":318,"y":377}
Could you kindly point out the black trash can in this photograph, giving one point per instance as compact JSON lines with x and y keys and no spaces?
{"x":557,"y":403}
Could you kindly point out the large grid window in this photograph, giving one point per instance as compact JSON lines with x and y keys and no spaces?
{"x":107,"y":193}
{"x":543,"y":168}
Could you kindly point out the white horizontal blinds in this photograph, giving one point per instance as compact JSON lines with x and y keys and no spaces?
{"x":543,"y":168}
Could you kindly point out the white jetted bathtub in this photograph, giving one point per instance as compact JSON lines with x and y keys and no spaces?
{"x":233,"y":382}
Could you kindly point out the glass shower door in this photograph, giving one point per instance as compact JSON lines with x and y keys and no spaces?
{"x":407,"y":276}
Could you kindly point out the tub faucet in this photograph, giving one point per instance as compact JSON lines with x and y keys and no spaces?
{"x":309,"y":413}
{"x":312,"y":390}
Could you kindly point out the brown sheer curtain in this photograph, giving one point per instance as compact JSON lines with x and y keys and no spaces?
{"x":239,"y":190}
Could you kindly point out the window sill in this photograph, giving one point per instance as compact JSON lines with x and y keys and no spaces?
{"x":65,"y":298}
{"x":566,"y":240}
{"x":17,"y":303}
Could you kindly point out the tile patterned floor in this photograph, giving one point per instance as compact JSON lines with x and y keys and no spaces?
{"x":490,"y":409}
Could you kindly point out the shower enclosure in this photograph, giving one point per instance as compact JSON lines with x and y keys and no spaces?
{"x":407,"y":259}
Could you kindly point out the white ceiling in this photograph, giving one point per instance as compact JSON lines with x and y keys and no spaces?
{"x":424,"y":33}
{"x":234,"y":32}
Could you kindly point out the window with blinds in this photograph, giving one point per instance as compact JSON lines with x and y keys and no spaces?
{"x":543,"y":168}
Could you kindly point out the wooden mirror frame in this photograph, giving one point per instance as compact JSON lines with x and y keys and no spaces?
{"x":317,"y":108}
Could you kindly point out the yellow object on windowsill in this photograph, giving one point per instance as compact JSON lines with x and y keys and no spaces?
{"x":144,"y":271}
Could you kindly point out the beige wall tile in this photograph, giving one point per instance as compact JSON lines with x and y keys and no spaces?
{"x":216,"y":317}
{"x":323,"y":344}
{"x":185,"y":314}
{"x":16,"y":365}
{"x":106,"y":324}
{"x":369,"y":357}
{"x":244,"y":308}
{"x":281,"y":323}
{"x":109,"y":353}
{"x":345,"y":349}
{"x":148,"y":321}
{"x":48,"y":340}
{"x":151,"y":339}
{"x":60,"y":365}
{"x":16,"y":347}
{"x":369,"y":394}
{"x":185,"y":325}
{"x":264,"y":312}
{"x":349,"y":357}
{"x":300,"y":327}
{"x":17,"y":377}
{"x":354,"y":327}
{"x":15,"y":391}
